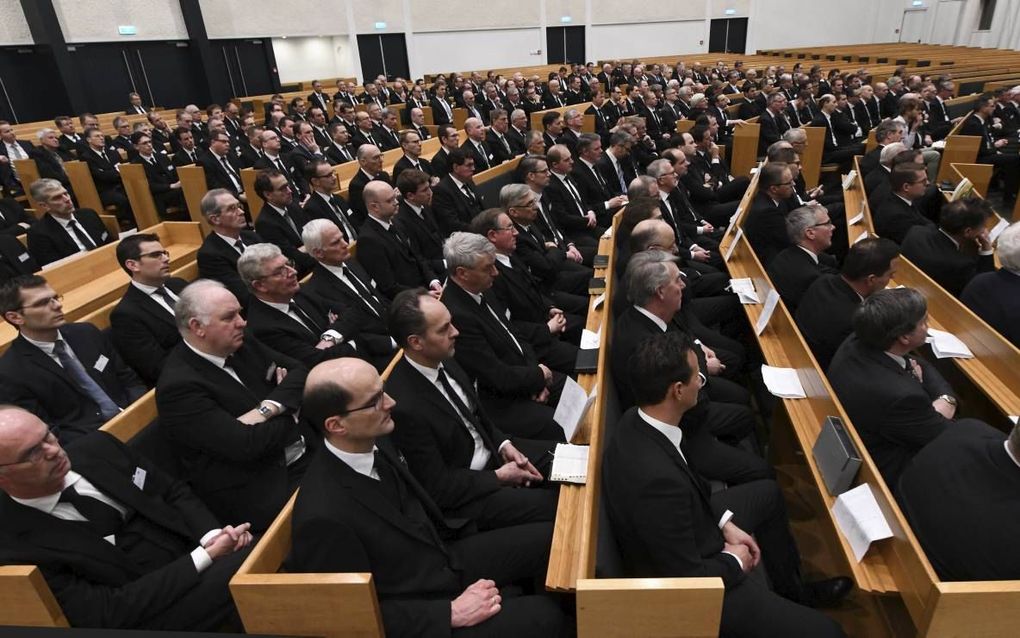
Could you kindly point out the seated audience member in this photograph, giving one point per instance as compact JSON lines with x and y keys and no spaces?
{"x":48,"y":159}
{"x":187,"y":152}
{"x":273,"y":159}
{"x":995,"y":296}
{"x":578,"y":222}
{"x":341,"y":286}
{"x":221,"y":166}
{"x":14,"y":219}
{"x":117,"y":552}
{"x":455,"y":199}
{"x":465,"y":462}
{"x":668,"y":524}
{"x":142,"y":324}
{"x":595,"y":191}
{"x":282,"y":219}
{"x":164,"y":184}
{"x":385,"y":251}
{"x":840,"y":142}
{"x":710,"y":172}
{"x":955,"y":250}
{"x":876,"y":184}
{"x":228,"y":404}
{"x":980,"y":123}
{"x":324,"y":203}
{"x":900,"y":212}
{"x":765,"y":224}
{"x":102,"y":163}
{"x":67,"y":374}
{"x":370,"y":170}
{"x":497,"y":137}
{"x":410,"y":142}
{"x":359,"y":509}
{"x":475,"y":145}
{"x":62,"y":230}
{"x":286,"y":320}
{"x":794,"y":269}
{"x":500,"y":359}
{"x":825,"y":312}
{"x":14,"y":258}
{"x":960,"y":496}
{"x":11,"y":149}
{"x":887,"y":132}
{"x":416,"y":220}
{"x":449,"y":139}
{"x":339,"y":151}
{"x":898,"y":402}
{"x":702,"y":259}
{"x":218,"y":254}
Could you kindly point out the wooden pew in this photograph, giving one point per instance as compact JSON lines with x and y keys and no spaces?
{"x":28,"y":172}
{"x":959,"y":149}
{"x":811,"y":158}
{"x":745,"y":148}
{"x":84,"y":188}
{"x":136,"y":185}
{"x":589,"y":120}
{"x":255,"y":203}
{"x":194,"y":187}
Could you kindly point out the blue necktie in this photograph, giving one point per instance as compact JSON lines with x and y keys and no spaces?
{"x":80,"y":376}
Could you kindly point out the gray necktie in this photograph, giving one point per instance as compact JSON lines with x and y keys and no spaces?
{"x":87,"y":384}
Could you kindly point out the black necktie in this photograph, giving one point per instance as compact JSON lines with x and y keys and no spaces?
{"x":363,"y":290}
{"x":165,"y":294}
{"x":309,"y":323}
{"x":574,"y":194}
{"x":389,"y":481}
{"x":461,"y":407}
{"x":482,"y":154}
{"x":239,"y":245}
{"x":81,"y":235}
{"x":468,"y":193}
{"x":339,"y":212}
{"x":105,"y":519}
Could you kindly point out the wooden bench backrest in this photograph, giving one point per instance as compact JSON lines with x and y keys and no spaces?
{"x":649,"y":607}
{"x":26,"y":600}
{"x":194,"y":186}
{"x":960,"y":149}
{"x":28,"y":172}
{"x":745,"y":149}
{"x":255,"y":203}
{"x":136,"y":185}
{"x":84,"y":188}
{"x":811,"y":158}
{"x":536,"y":116}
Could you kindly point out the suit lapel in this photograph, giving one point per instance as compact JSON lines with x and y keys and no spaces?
{"x":667,"y":447}
{"x":40,"y":359}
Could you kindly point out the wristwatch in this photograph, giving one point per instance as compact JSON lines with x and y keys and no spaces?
{"x":951,"y":400}
{"x":265,"y":411}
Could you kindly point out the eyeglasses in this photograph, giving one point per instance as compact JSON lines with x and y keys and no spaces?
{"x":375,"y":402}
{"x":42,"y":303}
{"x":282,"y":270}
{"x":702,"y":379}
{"x":36,"y":452}
{"x":503,"y":228}
{"x":155,"y":253}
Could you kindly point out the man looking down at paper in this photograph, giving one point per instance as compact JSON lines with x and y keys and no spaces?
{"x":466,"y":463}
{"x":669,"y":524}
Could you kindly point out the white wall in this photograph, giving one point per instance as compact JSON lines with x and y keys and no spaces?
{"x":436,"y":52}
{"x":656,"y":38}
{"x":300,"y":59}
{"x":13,"y":25}
{"x":776,"y":24}
{"x":271,"y":18}
{"x":97,"y":20}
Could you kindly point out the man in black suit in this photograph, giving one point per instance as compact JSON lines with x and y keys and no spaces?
{"x":899,"y":212}
{"x":249,"y":148}
{"x":228,"y":404}
{"x":281,"y":219}
{"x":959,"y":495}
{"x":455,"y":200}
{"x":317,"y":98}
{"x":306,"y":151}
{"x":418,"y":124}
{"x":493,"y":349}
{"x":1007,"y":165}
{"x":62,"y":230}
{"x":120,"y":543}
{"x":142,"y":323}
{"x":342,"y":287}
{"x":120,"y":144}
{"x":592,"y":185}
{"x":218,"y":254}
{"x":323,"y":202}
{"x":794,"y":269}
{"x":69,"y":138}
{"x":449,"y":139}
{"x":898,"y":402}
{"x":840,"y":144}
{"x":359,"y":508}
{"x":387,"y":131}
{"x":386,"y":253}
{"x":102,"y":164}
{"x":410,"y":143}
{"x":364,"y":133}
{"x":466,"y":463}
{"x":284,"y":319}
{"x":221,"y":167}
{"x":48,"y":160}
{"x":773,"y":122}
{"x":476,"y":146}
{"x":339,"y":150}
{"x":441,"y":111}
{"x":14,"y":219}
{"x":370,"y":169}
{"x":517,"y":132}
{"x":668,"y":524}
{"x":887,"y":132}
{"x":497,"y":138}
{"x":995,"y":296}
{"x":416,"y":220}
{"x":826,"y":310}
{"x":578,"y":222}
{"x":765,"y":223}
{"x":11,"y":149}
{"x":187,"y":152}
{"x":273,"y":158}
{"x":164,"y":184}
{"x":573,"y":121}
{"x":14,"y":259}
{"x":69,"y":375}
{"x":955,"y":250}
{"x":711,"y":172}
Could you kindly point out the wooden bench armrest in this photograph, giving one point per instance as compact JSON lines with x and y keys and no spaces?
{"x":134,"y":418}
{"x":26,"y":599}
{"x":649,"y":607}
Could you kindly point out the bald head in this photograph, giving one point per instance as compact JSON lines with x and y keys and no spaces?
{"x":32,"y":462}
{"x":380,"y":200}
{"x":345,"y":398}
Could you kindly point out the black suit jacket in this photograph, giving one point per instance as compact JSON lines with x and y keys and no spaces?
{"x":895,"y":217}
{"x":565,"y":209}
{"x":181,"y":157}
{"x":236,"y":469}
{"x":96,"y":583}
{"x":517,"y":141}
{"x":48,"y":241}
{"x":434,"y":439}
{"x":594,"y":193}
{"x":218,"y":260}
{"x":518,"y":290}
{"x":335,"y":157}
{"x":484,"y":159}
{"x":394,"y":264}
{"x":30,"y":378}
{"x":974,"y":126}
{"x":103,"y":169}
{"x":453,"y":210}
{"x":499,"y":152}
{"x":216,"y":176}
{"x":13,"y":215}
{"x":49,"y":165}
{"x":772,"y":129}
{"x":995,"y":297}
{"x":610,"y":176}
{"x":765,"y":227}
{"x":15,"y":259}
{"x":404,"y":164}
{"x":544,"y":263}
{"x":355,"y":190}
{"x":160,"y":174}
{"x":936,"y":254}
{"x":958,"y":495}
{"x":825,"y":316}
{"x":487,"y":352}
{"x":659,"y":508}
{"x":439,"y":115}
{"x":143,"y":331}
{"x":792,"y":271}
{"x":283,"y":333}
{"x":273,"y":228}
{"x":891,"y":410}
{"x":318,"y":208}
{"x":870,"y":161}
{"x":424,"y":234}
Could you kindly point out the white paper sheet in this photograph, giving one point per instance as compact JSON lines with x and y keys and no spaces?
{"x":860,"y":519}
{"x":856,"y":219}
{"x":771,"y":301}
{"x":848,"y":181}
{"x":1014,"y":419}
{"x":733,"y":244}
{"x":574,"y":402}
{"x":996,"y":230}
{"x":599,"y":300}
{"x":570,"y":464}
{"x":783,"y":382}
{"x":589,"y":340}
{"x":863,"y":235}
{"x":946,"y":345}
{"x":608,"y":233}
{"x":733,"y":220}
{"x":744,"y":289}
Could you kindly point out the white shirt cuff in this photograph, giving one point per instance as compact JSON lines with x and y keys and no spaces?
{"x":502,"y":445}
{"x":986,"y":252}
{"x":201,"y":559}
{"x":211,"y":534}
{"x":727,"y":515}
{"x":279,"y":406}
{"x":434,"y":283}
{"x":701,"y":230}
{"x":333,"y":333}
{"x":736,"y":558}
{"x":715,"y":161}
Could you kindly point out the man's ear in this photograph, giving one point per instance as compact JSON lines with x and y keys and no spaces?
{"x":335,"y":425}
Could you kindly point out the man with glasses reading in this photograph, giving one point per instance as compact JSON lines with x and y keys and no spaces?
{"x":67,"y":374}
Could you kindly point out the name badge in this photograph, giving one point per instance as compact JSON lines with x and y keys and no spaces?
{"x":139,"y":478}
{"x":105,"y":235}
{"x":270,"y":372}
{"x":23,"y":257}
{"x":101,"y":363}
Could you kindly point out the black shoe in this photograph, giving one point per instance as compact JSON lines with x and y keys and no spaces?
{"x":825,"y":593}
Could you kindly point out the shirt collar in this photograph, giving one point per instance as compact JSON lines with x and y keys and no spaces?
{"x":432,"y":374}
{"x":46,"y":504}
{"x":230,"y":240}
{"x":460,"y":184}
{"x":64,"y":222}
{"x":898,"y":359}
{"x":955,"y":243}
{"x":45,"y":346}
{"x":385,"y":225}
{"x":282,"y":307}
{"x":280,"y":211}
{"x":659,"y":322}
{"x":503,"y":259}
{"x":219,"y":362}
{"x":1008,"y":453}
{"x":360,"y":462}
{"x":671,"y":432}
{"x":813,"y":256}
{"x":147,"y":289}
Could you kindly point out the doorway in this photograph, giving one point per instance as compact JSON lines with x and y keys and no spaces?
{"x":727,"y":35}
{"x":383,"y":54}
{"x":564,"y":44}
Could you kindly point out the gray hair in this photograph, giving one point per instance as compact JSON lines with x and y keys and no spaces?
{"x":43,"y":132}
{"x":518,"y":113}
{"x":646,"y":273}
{"x":889,"y":151}
{"x":799,"y":220}
{"x":1008,"y":247}
{"x":657,"y":168}
{"x":40,"y":188}
{"x":465,"y":249}
{"x":208,"y":205}
{"x":887,"y":315}
{"x":886,"y":128}
{"x":311,"y":234}
{"x":509,"y":195}
{"x":365,"y":149}
{"x":795,"y":134}
{"x":640,"y":186}
{"x":249,"y":264}
{"x":191,"y":304}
